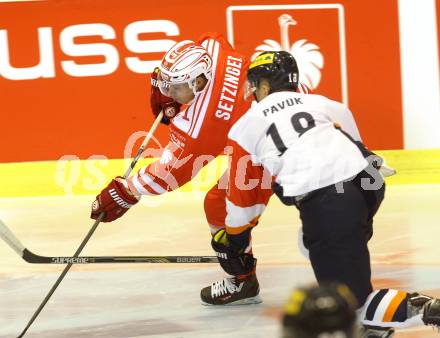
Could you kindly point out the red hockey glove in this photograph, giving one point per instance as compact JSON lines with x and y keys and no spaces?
{"x":114,"y":200}
{"x":159,"y":102}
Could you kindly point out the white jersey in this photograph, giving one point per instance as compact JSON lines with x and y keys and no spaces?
{"x":293,"y":135}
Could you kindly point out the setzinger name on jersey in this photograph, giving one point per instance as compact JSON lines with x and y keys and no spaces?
{"x":281,"y":105}
{"x":230,"y":88}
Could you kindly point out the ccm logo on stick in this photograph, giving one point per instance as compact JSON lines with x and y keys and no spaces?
{"x":45,"y":68}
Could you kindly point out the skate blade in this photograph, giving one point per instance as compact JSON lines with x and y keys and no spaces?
{"x":387,"y":171}
{"x":247,"y":301}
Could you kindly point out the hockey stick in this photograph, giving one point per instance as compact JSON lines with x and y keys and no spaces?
{"x":30,"y":257}
{"x":92,"y":230}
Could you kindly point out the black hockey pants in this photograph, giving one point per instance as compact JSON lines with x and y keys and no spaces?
{"x":337,"y":227}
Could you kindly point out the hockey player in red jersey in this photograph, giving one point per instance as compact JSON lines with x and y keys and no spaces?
{"x":332,"y":179}
{"x":198,"y":86}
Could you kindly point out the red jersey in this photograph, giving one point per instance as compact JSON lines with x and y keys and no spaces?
{"x":199,"y":132}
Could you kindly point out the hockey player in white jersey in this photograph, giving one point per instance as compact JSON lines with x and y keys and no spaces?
{"x":309,"y":148}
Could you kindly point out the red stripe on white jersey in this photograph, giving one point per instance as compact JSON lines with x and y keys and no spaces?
{"x":190,"y":121}
{"x":202,"y":96}
{"x":138,"y":187}
{"x":201,"y":116}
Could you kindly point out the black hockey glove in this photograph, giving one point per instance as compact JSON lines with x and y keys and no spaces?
{"x":230,"y":252}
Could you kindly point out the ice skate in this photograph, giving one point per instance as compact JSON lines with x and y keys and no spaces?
{"x":427,"y":306}
{"x":232,"y":291}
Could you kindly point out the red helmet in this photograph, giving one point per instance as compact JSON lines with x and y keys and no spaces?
{"x":183,"y":63}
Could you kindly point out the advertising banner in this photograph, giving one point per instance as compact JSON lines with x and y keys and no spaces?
{"x":74,"y":75}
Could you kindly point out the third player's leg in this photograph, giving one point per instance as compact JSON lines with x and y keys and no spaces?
{"x":336,"y":231}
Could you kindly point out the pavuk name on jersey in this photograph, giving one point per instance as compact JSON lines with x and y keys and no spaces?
{"x":281,"y":105}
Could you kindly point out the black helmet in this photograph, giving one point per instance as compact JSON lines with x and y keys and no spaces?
{"x":279,"y":68}
{"x":312,"y":312}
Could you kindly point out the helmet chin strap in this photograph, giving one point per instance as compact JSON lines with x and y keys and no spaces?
{"x":193,"y":86}
{"x":194,"y":89}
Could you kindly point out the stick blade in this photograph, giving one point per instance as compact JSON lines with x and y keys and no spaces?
{"x":11,"y":239}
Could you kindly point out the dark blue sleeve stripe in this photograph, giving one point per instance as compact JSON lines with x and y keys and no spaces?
{"x":371,"y":310}
{"x":401,"y":313}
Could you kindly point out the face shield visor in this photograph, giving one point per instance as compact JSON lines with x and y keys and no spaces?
{"x":180,"y":91}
